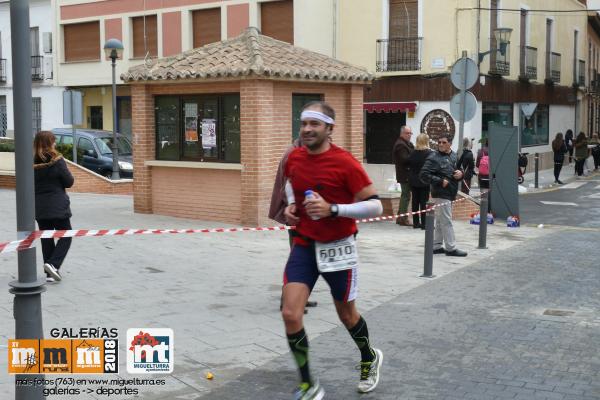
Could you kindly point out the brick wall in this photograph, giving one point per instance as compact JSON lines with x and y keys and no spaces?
{"x":213,"y":195}
{"x":86,"y":181}
{"x":7,"y":180}
{"x":266,"y":132}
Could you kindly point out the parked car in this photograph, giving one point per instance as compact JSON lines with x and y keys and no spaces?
{"x":94,"y":150}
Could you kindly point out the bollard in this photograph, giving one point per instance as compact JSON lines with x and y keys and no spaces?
{"x":483,"y":211}
{"x":537,"y":169}
{"x":429,"y":226}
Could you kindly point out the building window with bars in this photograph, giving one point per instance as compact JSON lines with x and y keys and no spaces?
{"x":36,"y":115}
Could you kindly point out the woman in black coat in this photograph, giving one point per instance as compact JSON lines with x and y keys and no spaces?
{"x":52,"y":204}
{"x":466,"y":163}
{"x":559,"y":148}
{"x":419,"y":190}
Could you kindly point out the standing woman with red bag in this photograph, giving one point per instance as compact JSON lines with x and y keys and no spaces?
{"x":52,"y":204}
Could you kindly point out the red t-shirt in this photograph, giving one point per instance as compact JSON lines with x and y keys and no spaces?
{"x":337,"y":176}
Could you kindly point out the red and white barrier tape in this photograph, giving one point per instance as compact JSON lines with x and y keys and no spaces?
{"x":18,"y":245}
{"x":23,"y":244}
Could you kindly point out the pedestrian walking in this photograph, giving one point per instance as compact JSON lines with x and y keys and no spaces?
{"x":440,"y":170}
{"x":569,"y":143}
{"x":483,"y":166}
{"x":559,"y":148}
{"x":419,"y":189}
{"x":279,"y":202}
{"x":402,"y":149}
{"x":330,"y":189}
{"x":595,"y":141}
{"x":466,"y":163}
{"x":581,"y":153}
{"x":52,"y":204}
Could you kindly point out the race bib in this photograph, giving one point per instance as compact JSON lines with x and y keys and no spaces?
{"x":337,"y":255}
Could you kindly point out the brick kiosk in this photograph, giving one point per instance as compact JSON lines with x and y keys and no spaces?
{"x":247,"y":82}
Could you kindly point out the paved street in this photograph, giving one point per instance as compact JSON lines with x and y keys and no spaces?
{"x":220,"y":294}
{"x":572,"y":204}
{"x":480,"y":333}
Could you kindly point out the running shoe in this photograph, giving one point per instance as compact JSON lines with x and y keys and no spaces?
{"x":307,"y":392}
{"x":52,"y":271}
{"x":369,"y":373}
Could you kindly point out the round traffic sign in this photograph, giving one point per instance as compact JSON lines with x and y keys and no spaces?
{"x":470,"y":106}
{"x":464,"y":73}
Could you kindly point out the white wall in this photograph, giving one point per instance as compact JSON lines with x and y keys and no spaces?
{"x":40,"y":15}
{"x":310,"y":14}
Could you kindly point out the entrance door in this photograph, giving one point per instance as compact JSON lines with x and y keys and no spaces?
{"x":3,"y":116}
{"x":382,"y":131}
{"x":95,"y":117}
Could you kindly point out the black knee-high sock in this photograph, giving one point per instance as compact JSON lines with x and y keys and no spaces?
{"x":360,"y":334}
{"x":299,"y":345}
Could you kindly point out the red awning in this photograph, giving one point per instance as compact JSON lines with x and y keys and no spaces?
{"x":389,"y":107}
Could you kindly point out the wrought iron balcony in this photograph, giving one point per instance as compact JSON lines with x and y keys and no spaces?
{"x":2,"y":70}
{"x":500,"y":64}
{"x":528,"y":65}
{"x":594,"y":86}
{"x":581,"y":73}
{"x":37,"y":68}
{"x":552,"y":67}
{"x":399,"y":54}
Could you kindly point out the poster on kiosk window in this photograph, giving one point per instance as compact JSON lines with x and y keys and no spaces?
{"x":209,"y":134}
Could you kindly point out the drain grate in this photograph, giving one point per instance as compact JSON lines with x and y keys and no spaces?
{"x":559,"y":313}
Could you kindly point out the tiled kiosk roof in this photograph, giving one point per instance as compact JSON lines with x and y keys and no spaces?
{"x":250,"y":54}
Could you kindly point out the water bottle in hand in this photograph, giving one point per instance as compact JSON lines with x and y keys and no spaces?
{"x":310,"y":195}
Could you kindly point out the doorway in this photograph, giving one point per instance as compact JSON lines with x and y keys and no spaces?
{"x":95,"y":117}
{"x":382,"y":131}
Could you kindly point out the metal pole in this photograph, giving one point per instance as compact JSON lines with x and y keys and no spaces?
{"x":73,"y":127}
{"x":115,"y":166}
{"x":429,"y":226}
{"x":483,"y":211}
{"x":27,"y":306}
{"x":537,"y":169}
{"x":463,"y":100}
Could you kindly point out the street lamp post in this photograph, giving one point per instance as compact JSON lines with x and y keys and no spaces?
{"x":114,"y":50}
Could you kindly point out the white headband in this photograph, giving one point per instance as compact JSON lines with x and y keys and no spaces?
{"x":306,"y":114}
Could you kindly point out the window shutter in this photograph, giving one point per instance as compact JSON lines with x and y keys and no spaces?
{"x":206,"y":26}
{"x":151,"y":43}
{"x":277,"y":20}
{"x":404,"y":18}
{"x":82,"y":41}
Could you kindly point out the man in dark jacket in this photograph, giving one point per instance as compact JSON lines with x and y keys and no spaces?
{"x":441,"y":171}
{"x":402,"y":149}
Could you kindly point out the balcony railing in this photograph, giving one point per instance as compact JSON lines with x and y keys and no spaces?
{"x":553,"y":67}
{"x":528,"y":63}
{"x":581,"y":73}
{"x":500,"y":64}
{"x":37,"y":68}
{"x":399,"y":54}
{"x":2,"y":70}
{"x":594,"y":86}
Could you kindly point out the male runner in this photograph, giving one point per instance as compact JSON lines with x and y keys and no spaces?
{"x":325,"y":225}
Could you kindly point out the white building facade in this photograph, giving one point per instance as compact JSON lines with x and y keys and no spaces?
{"x":47,"y":97}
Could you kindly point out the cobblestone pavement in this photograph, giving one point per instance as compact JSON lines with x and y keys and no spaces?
{"x":485,"y":332}
{"x":220,"y":295}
